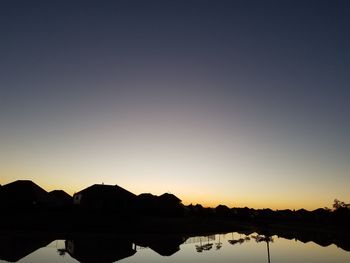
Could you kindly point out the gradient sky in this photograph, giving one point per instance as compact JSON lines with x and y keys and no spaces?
{"x":244,"y":103}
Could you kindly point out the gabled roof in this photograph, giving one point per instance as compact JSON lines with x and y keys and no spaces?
{"x":23,"y":191}
{"x":60,"y":196}
{"x":59,"y":193}
{"x":22,"y":184}
{"x":170,"y":197}
{"x":97,"y":188}
{"x":146,"y":195}
{"x":105,"y":189}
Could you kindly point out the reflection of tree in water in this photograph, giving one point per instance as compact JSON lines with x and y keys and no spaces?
{"x":61,"y":252}
{"x":267,"y":239}
{"x":258,"y":239}
{"x":219,"y":244}
{"x":203,"y":247}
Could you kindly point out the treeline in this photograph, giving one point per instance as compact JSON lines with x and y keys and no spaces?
{"x":338,"y":216}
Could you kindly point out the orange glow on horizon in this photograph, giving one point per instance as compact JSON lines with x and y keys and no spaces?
{"x":186,"y":199}
{"x":205,"y":196}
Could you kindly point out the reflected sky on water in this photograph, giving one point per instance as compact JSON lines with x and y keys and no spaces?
{"x":231,"y":247}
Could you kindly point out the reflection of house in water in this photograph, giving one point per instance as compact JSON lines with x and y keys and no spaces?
{"x":164,"y":246}
{"x":105,"y":197}
{"x":13,"y":248}
{"x":101,"y":250}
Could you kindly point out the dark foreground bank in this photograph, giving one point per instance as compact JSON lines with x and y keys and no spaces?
{"x":103,"y":245}
{"x":64,"y":224}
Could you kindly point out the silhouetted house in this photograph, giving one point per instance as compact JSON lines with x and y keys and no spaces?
{"x":147,"y":204}
{"x":60,"y":198}
{"x":195,"y":210}
{"x":222,"y":211}
{"x":303,"y":215}
{"x":170,"y":199}
{"x":170,"y":205}
{"x":285,"y":215}
{"x":100,"y":196}
{"x":21,"y":194}
{"x":165,"y":205}
{"x":265,"y":214}
{"x":99,"y":250}
{"x":321,"y":215}
{"x":244,"y":213}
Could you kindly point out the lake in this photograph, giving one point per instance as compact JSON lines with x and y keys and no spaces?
{"x":230,"y":247}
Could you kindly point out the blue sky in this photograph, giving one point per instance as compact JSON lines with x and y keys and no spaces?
{"x":236,"y":102}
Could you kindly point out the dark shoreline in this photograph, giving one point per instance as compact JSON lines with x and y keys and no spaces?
{"x":62,"y":226}
{"x":27,"y":209}
{"x":116,"y":237}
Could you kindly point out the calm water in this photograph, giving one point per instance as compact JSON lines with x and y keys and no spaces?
{"x":231,"y":247}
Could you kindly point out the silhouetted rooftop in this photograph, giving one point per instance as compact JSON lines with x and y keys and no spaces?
{"x":146,"y":195}
{"x":60,"y":197}
{"x":170,"y":197}
{"x":23,"y":192}
{"x":103,"y":188}
{"x":60,"y":193}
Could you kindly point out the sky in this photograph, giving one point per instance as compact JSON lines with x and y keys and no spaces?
{"x":243,"y":103}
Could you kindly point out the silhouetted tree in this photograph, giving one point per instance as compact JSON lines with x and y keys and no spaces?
{"x":340,"y":204}
{"x":341,"y":213}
